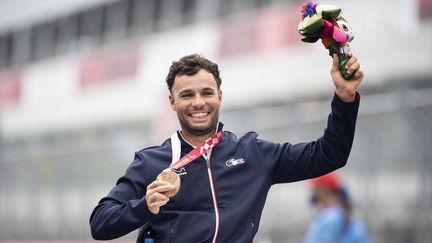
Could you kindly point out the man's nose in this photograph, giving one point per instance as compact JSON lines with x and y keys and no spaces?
{"x":198,"y":101}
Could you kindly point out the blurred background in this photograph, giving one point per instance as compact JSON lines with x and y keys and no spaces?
{"x":82,"y":88}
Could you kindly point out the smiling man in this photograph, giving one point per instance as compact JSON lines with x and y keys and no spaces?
{"x":206,"y":185}
{"x":197,"y":99}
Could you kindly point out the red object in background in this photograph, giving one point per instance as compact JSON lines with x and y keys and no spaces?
{"x":330,"y":180}
{"x":276,"y":28}
{"x":425,"y":9}
{"x":10,"y":88}
{"x":105,"y":66}
{"x":236,"y":38}
{"x":268,"y":30}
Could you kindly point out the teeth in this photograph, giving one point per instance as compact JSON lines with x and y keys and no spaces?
{"x":199,"y":115}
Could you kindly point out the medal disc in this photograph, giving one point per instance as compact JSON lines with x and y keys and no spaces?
{"x":172,"y":178}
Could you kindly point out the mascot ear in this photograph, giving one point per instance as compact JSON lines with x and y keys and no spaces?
{"x":328,"y":11}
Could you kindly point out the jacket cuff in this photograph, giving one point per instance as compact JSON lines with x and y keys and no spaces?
{"x":338,"y":105}
{"x":357,"y":97}
{"x":142,"y":209}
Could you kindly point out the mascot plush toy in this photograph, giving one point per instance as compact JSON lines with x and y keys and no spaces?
{"x":325,"y":22}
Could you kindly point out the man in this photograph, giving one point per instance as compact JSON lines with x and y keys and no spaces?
{"x":222,"y":192}
{"x":334,"y":222}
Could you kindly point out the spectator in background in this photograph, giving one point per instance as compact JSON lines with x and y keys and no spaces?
{"x":334,"y":222}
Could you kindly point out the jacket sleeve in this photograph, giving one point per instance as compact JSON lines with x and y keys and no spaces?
{"x":125,"y":208}
{"x":295,"y":162}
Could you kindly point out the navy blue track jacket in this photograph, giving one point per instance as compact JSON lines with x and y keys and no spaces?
{"x":221,"y":199}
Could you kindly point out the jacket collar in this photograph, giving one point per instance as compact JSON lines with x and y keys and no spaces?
{"x":179,"y":144}
{"x":183,"y":140}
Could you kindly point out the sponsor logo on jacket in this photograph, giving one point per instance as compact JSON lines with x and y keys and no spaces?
{"x":233,"y":162}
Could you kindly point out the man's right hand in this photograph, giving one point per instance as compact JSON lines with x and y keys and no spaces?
{"x":155,"y":196}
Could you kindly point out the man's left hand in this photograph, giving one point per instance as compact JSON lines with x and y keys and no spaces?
{"x":346,"y":89}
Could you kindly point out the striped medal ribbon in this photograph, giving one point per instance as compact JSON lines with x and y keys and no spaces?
{"x":168,"y":175}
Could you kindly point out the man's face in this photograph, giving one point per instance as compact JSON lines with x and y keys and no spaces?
{"x":197,"y":101}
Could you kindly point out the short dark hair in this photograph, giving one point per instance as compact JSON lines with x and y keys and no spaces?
{"x":190,"y":65}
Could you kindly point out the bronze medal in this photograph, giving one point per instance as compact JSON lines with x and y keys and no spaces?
{"x":169,"y":176}
{"x":172,"y":178}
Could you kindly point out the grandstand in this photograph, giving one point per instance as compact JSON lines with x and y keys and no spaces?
{"x":82,"y":88}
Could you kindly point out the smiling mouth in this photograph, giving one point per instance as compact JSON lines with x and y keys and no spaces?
{"x":199,"y":115}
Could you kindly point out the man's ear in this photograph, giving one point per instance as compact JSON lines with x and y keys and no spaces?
{"x":171,"y":99}
{"x":220,"y":95}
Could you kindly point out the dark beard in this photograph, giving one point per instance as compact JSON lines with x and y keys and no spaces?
{"x":200,"y":131}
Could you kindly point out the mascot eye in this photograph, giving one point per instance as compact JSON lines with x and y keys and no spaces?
{"x":344,"y":27}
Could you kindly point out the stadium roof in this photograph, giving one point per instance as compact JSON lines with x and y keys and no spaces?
{"x":20,"y":13}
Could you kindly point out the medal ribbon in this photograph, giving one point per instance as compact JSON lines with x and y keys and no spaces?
{"x":198,"y":151}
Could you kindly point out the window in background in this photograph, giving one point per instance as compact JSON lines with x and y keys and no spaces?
{"x":156,"y":14}
{"x":5,"y":50}
{"x":140,"y":17}
{"x":206,"y":10}
{"x":188,"y":11}
{"x":91,"y":27}
{"x":167,"y":14}
{"x":228,"y":7}
{"x":66,"y":34}
{"x":116,"y":21}
{"x":43,"y":38}
{"x":21,"y":47}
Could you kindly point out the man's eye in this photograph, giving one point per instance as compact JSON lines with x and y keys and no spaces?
{"x":208,"y":94}
{"x":186,"y":95}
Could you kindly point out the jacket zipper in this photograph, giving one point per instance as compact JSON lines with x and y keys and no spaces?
{"x":176,"y":148}
{"x":171,"y":233}
{"x":216,"y":208}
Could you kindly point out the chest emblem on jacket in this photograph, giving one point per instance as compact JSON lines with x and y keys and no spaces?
{"x":233,"y":162}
